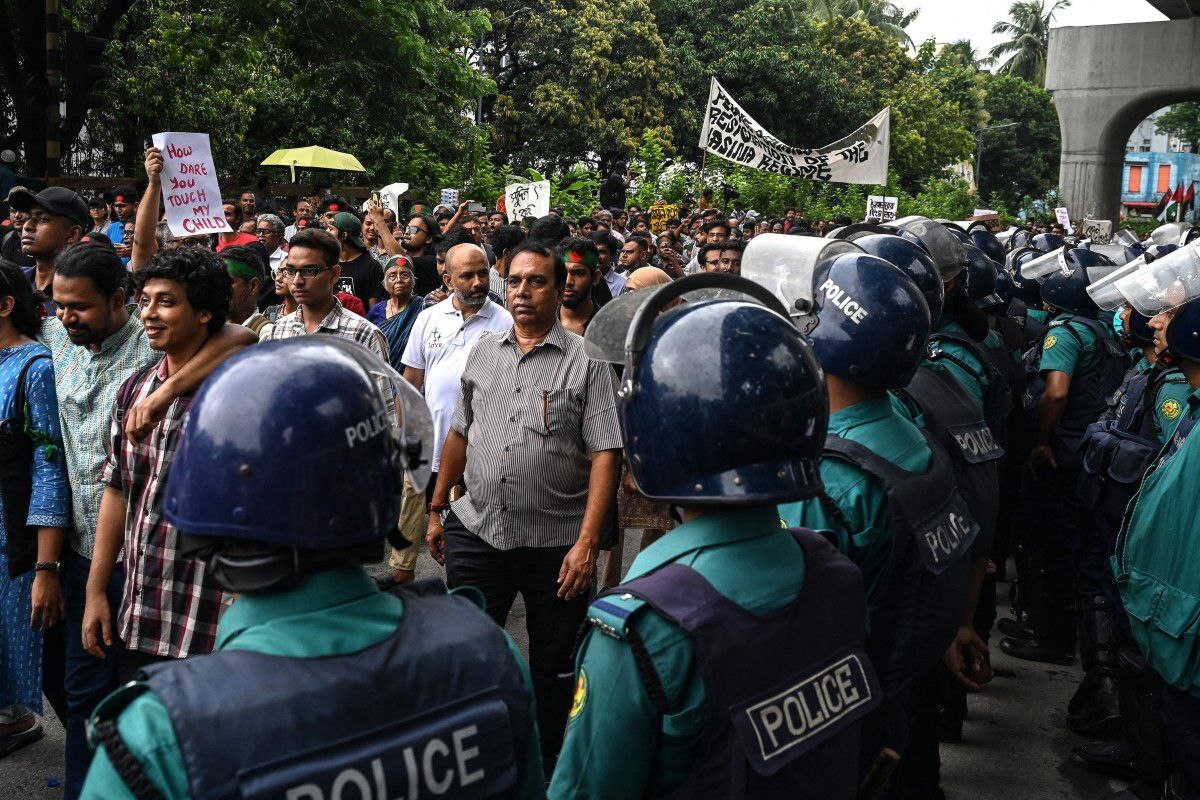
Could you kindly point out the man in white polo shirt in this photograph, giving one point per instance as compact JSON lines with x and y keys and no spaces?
{"x":444,"y":334}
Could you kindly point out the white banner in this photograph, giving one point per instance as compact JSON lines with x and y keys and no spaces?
{"x":882,"y":208}
{"x":1063,"y":217}
{"x":191,"y":195}
{"x":861,"y":157}
{"x":527,"y":200}
{"x":389,"y":196}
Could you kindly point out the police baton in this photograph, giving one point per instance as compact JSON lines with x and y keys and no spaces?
{"x":875,"y":784}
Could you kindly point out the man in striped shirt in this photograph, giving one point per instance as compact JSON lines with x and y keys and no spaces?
{"x":537,"y":440}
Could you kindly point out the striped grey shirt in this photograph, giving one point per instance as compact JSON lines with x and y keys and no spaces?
{"x":532,"y":422}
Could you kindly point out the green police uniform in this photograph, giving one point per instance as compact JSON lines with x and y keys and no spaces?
{"x":617,"y":744}
{"x":1067,"y":350}
{"x":1171,"y":402}
{"x":863,"y":530}
{"x":336,"y":612}
{"x":1040,"y":314}
{"x":962,"y":364}
{"x":1157,"y":564}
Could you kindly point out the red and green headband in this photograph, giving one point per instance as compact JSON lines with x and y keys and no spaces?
{"x":588,"y":259}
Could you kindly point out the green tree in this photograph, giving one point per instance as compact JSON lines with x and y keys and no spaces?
{"x":1021,"y":160}
{"x":889,"y":18}
{"x":1028,"y":30}
{"x":1183,"y":120}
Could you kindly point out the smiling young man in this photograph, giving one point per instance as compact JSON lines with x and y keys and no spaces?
{"x":169,"y":605}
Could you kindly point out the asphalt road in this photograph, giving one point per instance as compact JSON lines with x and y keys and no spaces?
{"x":1015,"y":744}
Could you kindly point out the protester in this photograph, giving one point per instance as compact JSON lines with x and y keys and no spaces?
{"x":505,"y":240}
{"x":33,"y":484}
{"x":396,"y":315}
{"x":234,"y":217}
{"x":538,"y":536}
{"x":58,"y":217}
{"x":246,"y":276}
{"x":98,"y":211}
{"x":125,"y":206}
{"x":419,"y":234}
{"x":269,"y":230}
{"x":583,"y":272}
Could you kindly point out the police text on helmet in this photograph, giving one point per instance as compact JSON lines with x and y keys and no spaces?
{"x":366,"y":429}
{"x":842,"y":300}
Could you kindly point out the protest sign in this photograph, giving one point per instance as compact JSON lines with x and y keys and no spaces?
{"x":1100,"y":231}
{"x":450,"y":199}
{"x":659,"y":214}
{"x":527,"y":200}
{"x":882,"y":208}
{"x":1064,"y":219}
{"x":983,"y":213}
{"x":389,"y":196}
{"x":729,"y":132}
{"x":191,"y":195}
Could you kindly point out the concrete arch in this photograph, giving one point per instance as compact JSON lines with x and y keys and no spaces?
{"x":1105,"y":80}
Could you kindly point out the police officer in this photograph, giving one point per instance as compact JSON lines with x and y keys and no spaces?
{"x":891,"y":499}
{"x":1156,"y":563}
{"x":1081,"y":365}
{"x":729,"y":663}
{"x":320,"y":684}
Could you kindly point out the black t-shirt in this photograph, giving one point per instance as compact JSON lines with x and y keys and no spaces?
{"x":425,"y":274}
{"x":612,"y":193}
{"x":363,"y":278}
{"x":10,"y":248}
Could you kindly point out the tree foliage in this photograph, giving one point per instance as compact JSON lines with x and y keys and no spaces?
{"x":1028,"y":32}
{"x":1183,"y":120}
{"x":1021,"y":160}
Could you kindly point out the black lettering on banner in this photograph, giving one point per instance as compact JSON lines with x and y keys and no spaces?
{"x":800,"y":717}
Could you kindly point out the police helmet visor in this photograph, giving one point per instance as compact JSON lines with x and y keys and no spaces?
{"x":943,"y":246}
{"x":1104,"y":291}
{"x":608,"y":332}
{"x":1171,"y":233}
{"x":1042,"y":267}
{"x":410,"y":422}
{"x":784,"y":265}
{"x":1165,"y":283}
{"x":1126,"y":238}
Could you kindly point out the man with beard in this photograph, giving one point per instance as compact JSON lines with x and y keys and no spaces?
{"x":583,"y":272}
{"x":445,"y":333}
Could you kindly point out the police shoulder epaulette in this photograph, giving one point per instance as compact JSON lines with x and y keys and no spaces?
{"x":1174,"y":376}
{"x":612,"y":614}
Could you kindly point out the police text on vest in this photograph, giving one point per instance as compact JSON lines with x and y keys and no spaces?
{"x":817,"y":705}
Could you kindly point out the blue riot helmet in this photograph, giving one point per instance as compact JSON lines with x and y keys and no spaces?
{"x":981,"y":278}
{"x":943,"y":246}
{"x":1020,"y":238}
{"x":699,"y":380}
{"x":956,"y":230}
{"x":872,"y":322}
{"x":1005,"y":289}
{"x":986,"y":241}
{"x":1135,"y":328}
{"x":855,"y":230}
{"x":262,"y":492}
{"x":910,"y":258}
{"x":1183,"y":332}
{"x":1047,"y":242}
{"x":1133,"y":251}
{"x":1027,"y":290}
{"x":1155,"y":251}
{"x":1067,"y":289}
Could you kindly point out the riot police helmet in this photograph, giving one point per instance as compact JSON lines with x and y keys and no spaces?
{"x":898,"y":248}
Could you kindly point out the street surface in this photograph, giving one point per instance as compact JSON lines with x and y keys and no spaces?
{"x":1015,"y":744}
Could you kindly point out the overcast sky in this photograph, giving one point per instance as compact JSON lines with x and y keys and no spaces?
{"x":951,"y":20}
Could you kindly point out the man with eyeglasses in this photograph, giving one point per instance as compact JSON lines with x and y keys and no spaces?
{"x":269,"y":230}
{"x":312,"y":272}
{"x":418,"y":244}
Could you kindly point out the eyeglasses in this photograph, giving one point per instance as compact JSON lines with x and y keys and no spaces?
{"x":415,"y":229}
{"x":264,"y":231}
{"x":307,"y":272}
{"x":400,"y":276}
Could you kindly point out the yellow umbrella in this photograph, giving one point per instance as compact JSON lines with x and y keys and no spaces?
{"x":312,"y":158}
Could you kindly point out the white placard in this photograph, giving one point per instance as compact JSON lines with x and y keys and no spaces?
{"x":882,"y":208}
{"x":527,"y":200}
{"x":1100,"y":231}
{"x":984,"y":212}
{"x":1064,"y":219}
{"x":731,"y":133}
{"x":191,"y":195}
{"x":389,"y":196}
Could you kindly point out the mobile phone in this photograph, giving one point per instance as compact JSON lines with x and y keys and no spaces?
{"x":374,"y":197}
{"x":475,"y":208}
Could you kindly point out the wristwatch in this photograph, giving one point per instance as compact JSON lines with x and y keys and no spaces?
{"x":48,"y":566}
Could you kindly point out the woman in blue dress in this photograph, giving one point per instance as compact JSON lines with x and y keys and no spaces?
{"x":33,"y":499}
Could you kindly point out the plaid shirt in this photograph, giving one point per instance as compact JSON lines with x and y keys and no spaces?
{"x":169,"y":607}
{"x":338,"y":322}
{"x":86,"y":383}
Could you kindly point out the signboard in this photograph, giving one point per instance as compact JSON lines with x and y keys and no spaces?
{"x":1100,"y":231}
{"x":659,"y":214}
{"x":861,"y":157}
{"x":191,"y":196}
{"x":523,"y":200}
{"x":882,"y":208}
{"x":450,"y":199}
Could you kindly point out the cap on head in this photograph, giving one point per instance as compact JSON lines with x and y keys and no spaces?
{"x":58,"y":200}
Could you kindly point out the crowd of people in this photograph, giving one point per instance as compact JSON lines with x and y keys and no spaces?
{"x":836,"y":439}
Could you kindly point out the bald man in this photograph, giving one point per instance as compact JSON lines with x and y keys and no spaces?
{"x":444,"y":334}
